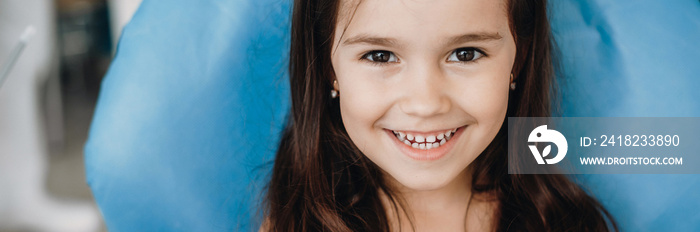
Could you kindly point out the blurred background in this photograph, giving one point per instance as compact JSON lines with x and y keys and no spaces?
{"x":47,"y":97}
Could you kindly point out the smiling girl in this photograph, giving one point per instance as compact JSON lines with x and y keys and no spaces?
{"x":397,"y":120}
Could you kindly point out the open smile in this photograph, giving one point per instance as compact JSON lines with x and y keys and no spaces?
{"x":425,"y":145}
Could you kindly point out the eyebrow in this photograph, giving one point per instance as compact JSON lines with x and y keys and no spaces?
{"x":474,"y":37}
{"x":390,"y":42}
{"x":368,"y":39}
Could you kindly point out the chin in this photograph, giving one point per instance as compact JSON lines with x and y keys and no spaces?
{"x":425,"y":182}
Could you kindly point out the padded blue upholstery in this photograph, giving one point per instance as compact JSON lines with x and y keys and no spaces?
{"x":629,"y":58}
{"x":189,"y":112}
{"x":191,"y":109}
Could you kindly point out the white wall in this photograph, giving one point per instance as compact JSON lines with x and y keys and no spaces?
{"x":120,"y":13}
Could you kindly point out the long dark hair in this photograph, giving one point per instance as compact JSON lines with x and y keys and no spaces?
{"x":322,"y":182}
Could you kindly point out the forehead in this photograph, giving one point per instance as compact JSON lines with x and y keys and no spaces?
{"x":420,"y":19}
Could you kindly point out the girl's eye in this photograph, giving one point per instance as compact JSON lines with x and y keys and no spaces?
{"x":380,"y":56}
{"x":465,"y":55}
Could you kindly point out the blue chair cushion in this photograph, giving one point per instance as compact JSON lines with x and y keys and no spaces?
{"x":189,"y":114}
{"x":631,"y":58}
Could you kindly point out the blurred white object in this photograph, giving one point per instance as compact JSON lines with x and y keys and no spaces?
{"x":120,"y":12}
{"x":10,"y":62}
{"x":24,"y":203}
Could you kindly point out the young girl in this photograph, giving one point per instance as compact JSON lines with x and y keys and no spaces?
{"x":398,"y":120}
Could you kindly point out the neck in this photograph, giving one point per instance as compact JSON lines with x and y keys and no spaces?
{"x":444,"y":208}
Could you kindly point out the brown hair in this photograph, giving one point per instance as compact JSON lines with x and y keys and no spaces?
{"x":322,"y":182}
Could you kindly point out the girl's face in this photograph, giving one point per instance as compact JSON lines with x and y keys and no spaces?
{"x":423,"y":83}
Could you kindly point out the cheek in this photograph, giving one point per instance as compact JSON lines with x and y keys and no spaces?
{"x":485,"y":97}
{"x":362,"y":104}
{"x":485,"y":100}
{"x":491,"y":114}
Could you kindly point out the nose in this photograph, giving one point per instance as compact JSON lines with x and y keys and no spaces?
{"x":425,"y":92}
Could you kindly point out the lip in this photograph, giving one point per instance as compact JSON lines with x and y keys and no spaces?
{"x":426,"y":155}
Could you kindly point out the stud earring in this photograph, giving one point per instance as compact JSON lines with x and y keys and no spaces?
{"x":334,"y":92}
{"x":512,"y":83}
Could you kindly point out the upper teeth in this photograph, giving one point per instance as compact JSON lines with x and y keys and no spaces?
{"x":425,"y":142}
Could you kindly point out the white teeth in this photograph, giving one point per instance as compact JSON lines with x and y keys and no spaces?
{"x":425,"y":142}
{"x":430,"y":139}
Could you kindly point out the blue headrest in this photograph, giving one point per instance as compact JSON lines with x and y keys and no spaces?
{"x":188,"y":114}
{"x":191,"y":110}
{"x":634,"y":59}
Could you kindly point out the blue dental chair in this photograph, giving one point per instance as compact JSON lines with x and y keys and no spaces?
{"x":191,"y":110}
